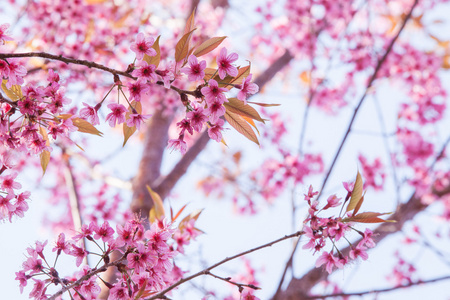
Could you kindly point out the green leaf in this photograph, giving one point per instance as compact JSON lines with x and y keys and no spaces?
{"x":182,"y":47}
{"x":208,"y":45}
{"x":356,"y":193}
{"x":238,"y":107}
{"x":238,"y":123}
{"x":14,"y":93}
{"x":154,"y":60}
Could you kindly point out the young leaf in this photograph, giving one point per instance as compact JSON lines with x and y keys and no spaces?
{"x":182,"y":47}
{"x":358,"y":205}
{"x":14,"y":93}
{"x":154,"y":60}
{"x":45,"y":159}
{"x":208,"y":45}
{"x":238,"y":107}
{"x":190,"y":22}
{"x":356,"y":193}
{"x":158,"y":204}
{"x":368,"y":217}
{"x":85,"y":126}
{"x":264,"y":104}
{"x":193,"y":215}
{"x":129,"y":131}
{"x":238,"y":123}
{"x":242,"y":74}
{"x":45,"y":155}
{"x":173,"y":218}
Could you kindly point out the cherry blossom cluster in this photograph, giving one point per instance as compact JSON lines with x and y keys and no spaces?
{"x":373,"y":172}
{"x":146,"y":260}
{"x":321,"y":230}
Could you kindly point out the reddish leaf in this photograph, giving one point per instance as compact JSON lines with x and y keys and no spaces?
{"x":129,"y":131}
{"x":357,"y":193}
{"x":190,"y":23}
{"x":263,"y":104}
{"x":14,"y":93}
{"x":208,"y":45}
{"x":182,"y":47}
{"x":154,"y":60}
{"x":238,"y":123}
{"x":368,"y":217}
{"x":238,"y":107}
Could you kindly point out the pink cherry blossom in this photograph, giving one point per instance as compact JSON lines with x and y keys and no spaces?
{"x":197,"y":118}
{"x":137,"y":120}
{"x":330,"y":261}
{"x":213,"y":92}
{"x":89,"y":113}
{"x":3,"y":36}
{"x":137,"y":88}
{"x":246,"y":89}
{"x":143,"y":46}
{"x":178,"y":144}
{"x":145,"y":71}
{"x":224,"y":63}
{"x":117,"y":114}
{"x":196,"y":70}
{"x":215,"y":131}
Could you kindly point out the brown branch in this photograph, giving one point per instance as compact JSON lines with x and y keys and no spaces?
{"x":228,"y":279}
{"x":363,"y":97}
{"x":149,"y":170}
{"x":67,"y":60}
{"x":74,"y":199}
{"x":419,"y":282}
{"x":87,"y":276}
{"x":206,"y":271}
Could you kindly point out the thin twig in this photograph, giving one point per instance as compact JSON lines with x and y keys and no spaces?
{"x":87,"y":276}
{"x":228,"y":279}
{"x":363,"y":97}
{"x":419,"y":282}
{"x":161,"y":294}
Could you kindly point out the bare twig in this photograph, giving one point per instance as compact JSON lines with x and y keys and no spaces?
{"x":363,"y":97}
{"x":206,"y":271}
{"x":419,"y":282}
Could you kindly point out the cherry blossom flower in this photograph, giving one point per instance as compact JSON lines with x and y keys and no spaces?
{"x":197,"y":118}
{"x":143,"y":46}
{"x":185,"y":125}
{"x":330,"y":261}
{"x":3,"y":36}
{"x":215,"y":131}
{"x":145,"y":71}
{"x":215,"y":110}
{"x":16,"y":73}
{"x":8,"y":184}
{"x":137,"y":88}
{"x":178,"y":144}
{"x":119,"y":292}
{"x":23,"y":279}
{"x":79,"y":253}
{"x":196,"y":70}
{"x":105,"y":232}
{"x":224,"y":63}
{"x":61,"y":245}
{"x":89,"y":113}
{"x":137,"y":120}
{"x":117,"y":114}
{"x":246,"y":89}
{"x":359,"y":251}
{"x":213,"y":92}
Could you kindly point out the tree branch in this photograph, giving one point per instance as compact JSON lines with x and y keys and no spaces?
{"x":363,"y":97}
{"x":206,"y":271}
{"x":67,"y":60}
{"x":419,"y":282}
